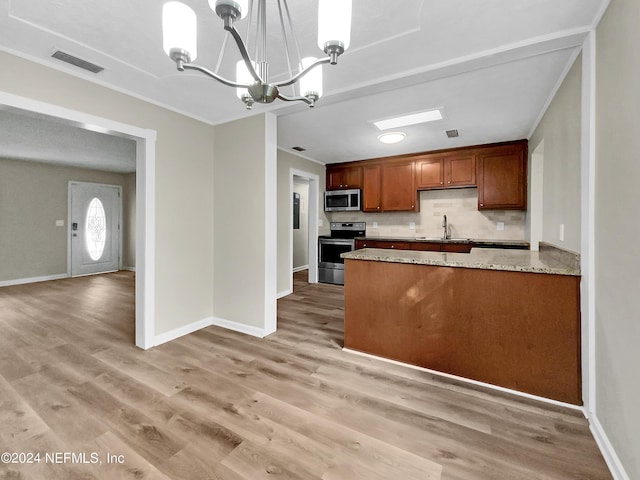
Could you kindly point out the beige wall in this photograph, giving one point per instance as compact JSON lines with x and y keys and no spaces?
{"x":301,"y":235}
{"x":184,"y":175}
{"x":560,"y":129}
{"x":33,"y":196}
{"x":286,"y":162}
{"x":239,"y":186}
{"x":618,"y":230}
{"x":459,"y":205}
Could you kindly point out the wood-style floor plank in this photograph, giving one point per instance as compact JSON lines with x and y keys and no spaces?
{"x":220,"y":405}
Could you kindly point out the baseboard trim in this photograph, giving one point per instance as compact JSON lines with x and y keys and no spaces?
{"x":239,"y":327}
{"x":472,"y":382}
{"x":181,"y":331}
{"x":299,"y":269}
{"x":22,"y":281}
{"x":607,"y":450}
{"x":129,"y":269}
{"x":286,"y":292}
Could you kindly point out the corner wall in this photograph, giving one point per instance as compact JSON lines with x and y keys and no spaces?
{"x":560,"y":129}
{"x":617,"y":225}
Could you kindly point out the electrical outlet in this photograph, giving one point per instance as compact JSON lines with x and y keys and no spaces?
{"x":562,"y":232}
{"x":500,"y":226}
{"x":59,"y":223}
{"x":412,"y":225}
{"x":320,"y":222}
{"x":375,"y":224}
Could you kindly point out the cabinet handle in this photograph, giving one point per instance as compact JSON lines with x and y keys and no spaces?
{"x":441,"y":183}
{"x":449,"y":181}
{"x":482,"y":204}
{"x":392,"y":246}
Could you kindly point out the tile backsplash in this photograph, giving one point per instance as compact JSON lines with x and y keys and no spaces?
{"x":459,"y":205}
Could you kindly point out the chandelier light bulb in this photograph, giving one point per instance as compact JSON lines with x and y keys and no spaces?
{"x":179,"y":29}
{"x":311,"y":83}
{"x":334,"y":24}
{"x":243,"y":76}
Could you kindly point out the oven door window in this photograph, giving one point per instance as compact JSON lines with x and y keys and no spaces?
{"x":330,"y":253}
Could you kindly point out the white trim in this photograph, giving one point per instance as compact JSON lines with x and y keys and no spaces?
{"x":271,"y":223}
{"x":145,"y":195}
{"x":129,"y":269}
{"x":470,"y":381}
{"x":239,"y":327}
{"x":587,"y":220}
{"x":299,"y":269}
{"x":181,"y":331}
{"x":553,"y":92}
{"x":22,"y":281}
{"x":607,"y":450}
{"x":284,"y":293}
{"x":600,"y":13}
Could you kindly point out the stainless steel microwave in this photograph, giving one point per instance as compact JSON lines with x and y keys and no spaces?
{"x":342,"y":200}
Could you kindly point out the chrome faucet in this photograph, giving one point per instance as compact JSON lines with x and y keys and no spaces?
{"x":445,"y":228}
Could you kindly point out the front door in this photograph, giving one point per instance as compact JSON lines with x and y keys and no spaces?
{"x":95,"y":228}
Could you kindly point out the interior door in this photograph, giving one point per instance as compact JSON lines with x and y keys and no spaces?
{"x":94,"y":228}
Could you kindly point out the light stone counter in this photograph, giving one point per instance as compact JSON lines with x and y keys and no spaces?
{"x":548,"y":260}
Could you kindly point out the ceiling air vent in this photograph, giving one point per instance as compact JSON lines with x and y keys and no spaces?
{"x":299,"y":149}
{"x":452,"y":133}
{"x":78,"y":62}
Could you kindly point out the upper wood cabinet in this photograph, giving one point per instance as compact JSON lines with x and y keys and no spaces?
{"x":446,"y":170}
{"x":389,"y":187}
{"x":371,"y":198}
{"x":398,"y":192}
{"x":341,"y":177}
{"x":502,"y":177}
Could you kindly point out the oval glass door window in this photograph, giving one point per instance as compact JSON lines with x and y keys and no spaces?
{"x":95,"y":229}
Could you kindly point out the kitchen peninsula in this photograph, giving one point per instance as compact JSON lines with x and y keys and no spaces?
{"x":510,"y":318}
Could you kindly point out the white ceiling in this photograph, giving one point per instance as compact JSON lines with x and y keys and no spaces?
{"x":491,"y":66}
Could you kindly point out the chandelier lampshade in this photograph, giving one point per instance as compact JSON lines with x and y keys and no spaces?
{"x":180,"y":30}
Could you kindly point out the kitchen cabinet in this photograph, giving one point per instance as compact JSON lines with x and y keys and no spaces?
{"x":446,"y":170}
{"x":389,"y":187}
{"x":450,"y":247}
{"x":502,"y":177}
{"x":398,"y":191}
{"x":343,"y":177}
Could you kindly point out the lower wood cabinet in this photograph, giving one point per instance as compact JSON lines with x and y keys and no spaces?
{"x":420,"y":246}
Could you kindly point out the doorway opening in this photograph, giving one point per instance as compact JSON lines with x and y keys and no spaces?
{"x":145,"y":193}
{"x":536,"y":204}
{"x":304,"y":183}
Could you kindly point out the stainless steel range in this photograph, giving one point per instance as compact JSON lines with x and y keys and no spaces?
{"x":341,"y":240}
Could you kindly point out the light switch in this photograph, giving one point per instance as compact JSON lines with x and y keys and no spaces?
{"x":375,"y":224}
{"x":59,"y":223}
{"x":412,"y":225}
{"x":562,"y":232}
{"x":500,"y":226}
{"x":320,"y":222}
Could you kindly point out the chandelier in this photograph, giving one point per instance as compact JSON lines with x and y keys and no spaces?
{"x":252,"y":75}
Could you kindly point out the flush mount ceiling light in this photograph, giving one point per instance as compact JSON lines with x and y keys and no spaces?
{"x":252,"y":76}
{"x":391,"y":137}
{"x":410,"y":119}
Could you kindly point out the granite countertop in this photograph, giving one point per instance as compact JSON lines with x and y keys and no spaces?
{"x":549,"y":260}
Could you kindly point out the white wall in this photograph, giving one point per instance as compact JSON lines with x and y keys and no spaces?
{"x":560,"y":129}
{"x":243,"y":224}
{"x":184,"y":175}
{"x":617,"y":249}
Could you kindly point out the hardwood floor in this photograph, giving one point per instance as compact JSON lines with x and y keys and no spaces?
{"x":221,"y":405}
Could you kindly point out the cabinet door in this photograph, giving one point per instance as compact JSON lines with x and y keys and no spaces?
{"x":352,"y":177}
{"x":502,"y":178}
{"x":430,"y":172}
{"x":460,"y":171}
{"x":371,"y":188}
{"x":425,"y":246}
{"x":387,"y":244}
{"x":398,"y":187}
{"x":334,"y":178}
